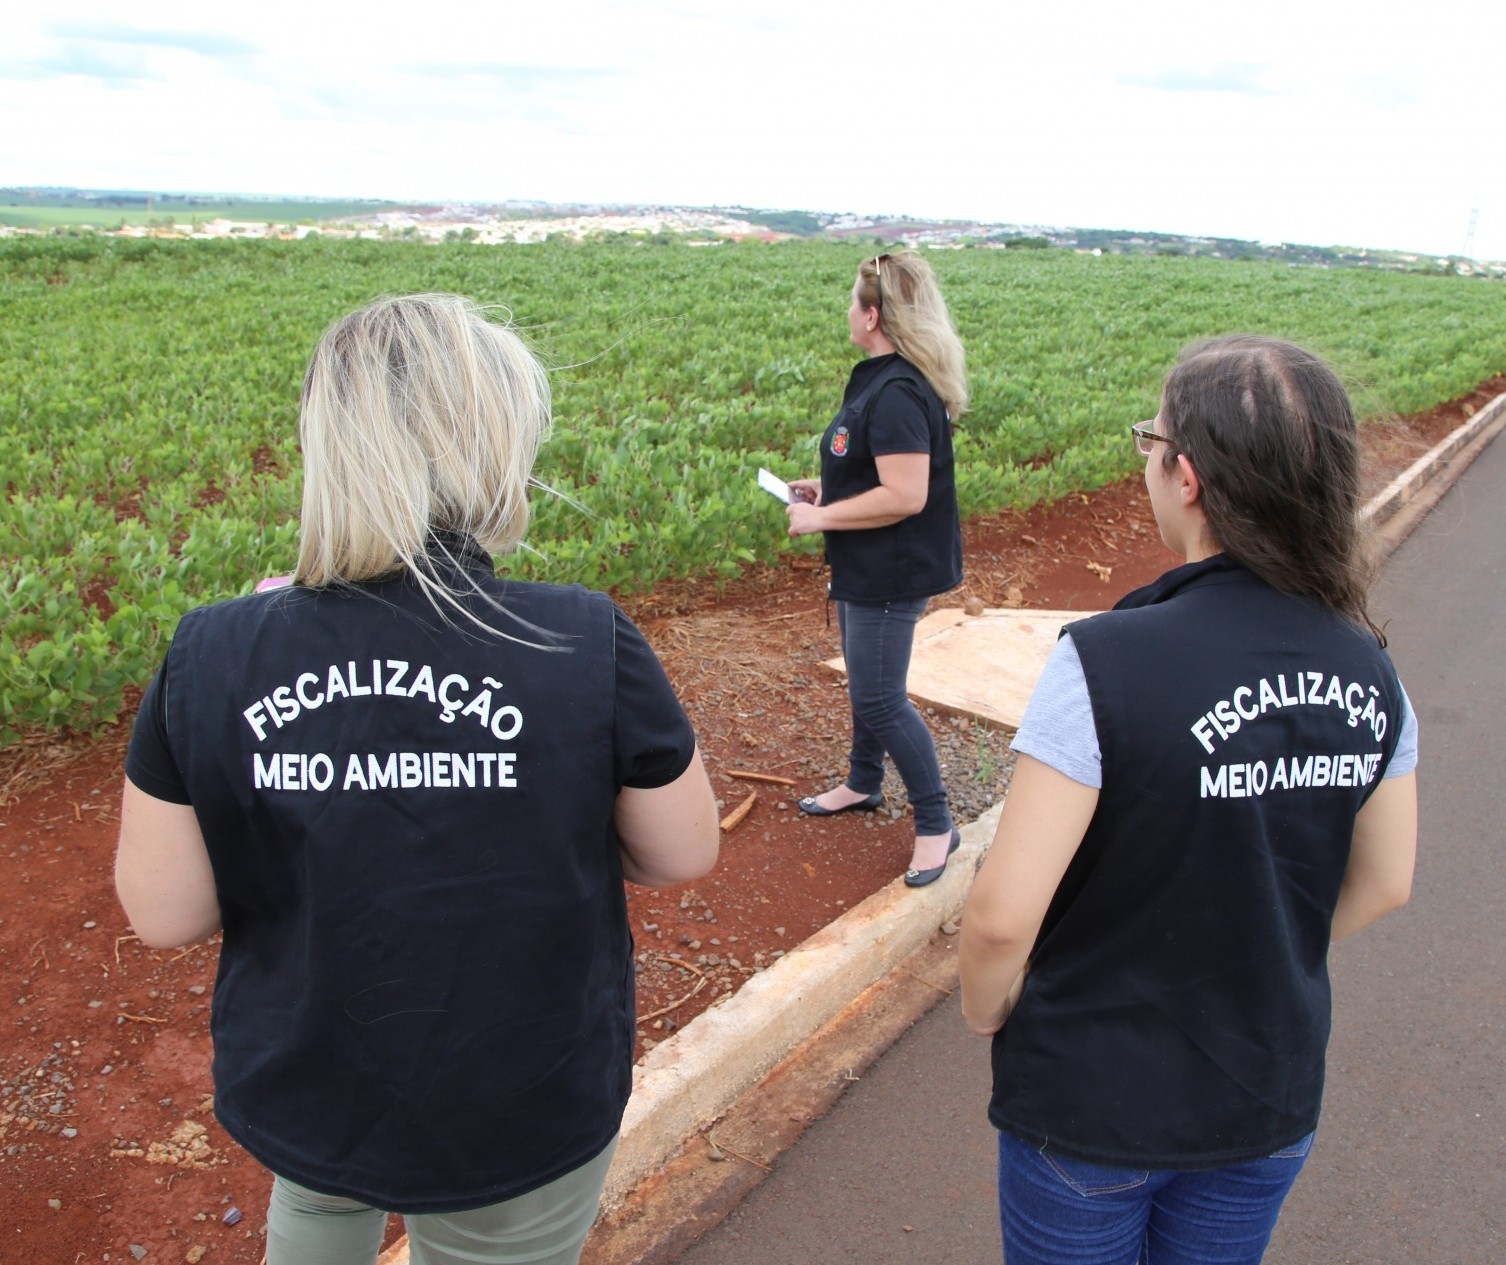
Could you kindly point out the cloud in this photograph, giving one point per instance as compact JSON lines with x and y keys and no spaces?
{"x":452,"y":96}
{"x":204,"y":43}
{"x":111,"y":66}
{"x":1385,"y":92}
{"x":26,"y":70}
{"x":117,"y":56}
{"x":1250,"y":79}
{"x":518,"y":77}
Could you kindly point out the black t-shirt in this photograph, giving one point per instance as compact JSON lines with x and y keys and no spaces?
{"x":425,"y":992}
{"x":890,"y":408}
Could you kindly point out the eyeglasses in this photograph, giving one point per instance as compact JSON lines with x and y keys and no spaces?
{"x":1145,"y":437}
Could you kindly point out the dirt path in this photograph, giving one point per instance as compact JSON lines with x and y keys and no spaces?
{"x":107,"y":1138}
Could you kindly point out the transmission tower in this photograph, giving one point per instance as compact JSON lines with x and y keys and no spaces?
{"x":1469,"y":237}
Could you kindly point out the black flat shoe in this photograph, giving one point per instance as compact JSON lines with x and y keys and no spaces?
{"x":923,"y":878}
{"x":865,"y":805}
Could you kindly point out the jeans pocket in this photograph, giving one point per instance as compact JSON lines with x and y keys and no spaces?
{"x":1094,"y":1179}
{"x":1297,"y":1150}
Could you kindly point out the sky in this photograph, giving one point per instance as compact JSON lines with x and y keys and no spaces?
{"x":1320,"y":122}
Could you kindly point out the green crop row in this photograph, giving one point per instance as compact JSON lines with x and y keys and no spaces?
{"x":149,"y":392}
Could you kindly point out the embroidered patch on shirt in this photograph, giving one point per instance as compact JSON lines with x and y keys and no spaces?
{"x":839,"y":442}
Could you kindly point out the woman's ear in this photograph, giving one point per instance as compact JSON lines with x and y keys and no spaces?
{"x":1190,"y":487}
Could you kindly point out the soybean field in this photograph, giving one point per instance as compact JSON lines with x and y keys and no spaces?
{"x":149,"y":399}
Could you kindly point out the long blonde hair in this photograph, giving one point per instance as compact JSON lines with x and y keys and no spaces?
{"x":420,"y":415}
{"x":914,"y":317}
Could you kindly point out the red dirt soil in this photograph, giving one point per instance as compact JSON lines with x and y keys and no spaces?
{"x":108,"y":1145}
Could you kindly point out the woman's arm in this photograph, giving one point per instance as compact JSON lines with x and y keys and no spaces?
{"x":162,"y":872}
{"x":1044,"y":819}
{"x":1382,"y":857}
{"x":669,"y":834}
{"x":904,"y":485}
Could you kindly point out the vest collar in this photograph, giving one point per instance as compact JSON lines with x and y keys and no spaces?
{"x":1178,"y":579}
{"x":868,"y":376}
{"x":453,"y":550}
{"x":866,"y":369}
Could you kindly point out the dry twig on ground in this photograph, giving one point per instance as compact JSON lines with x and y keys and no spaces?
{"x":735,"y":818}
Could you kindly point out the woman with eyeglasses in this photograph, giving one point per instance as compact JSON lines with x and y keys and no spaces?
{"x":1215,"y":779}
{"x":408,"y":793}
{"x":887,"y":504}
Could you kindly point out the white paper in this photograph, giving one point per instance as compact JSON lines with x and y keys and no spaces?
{"x":774,"y":485}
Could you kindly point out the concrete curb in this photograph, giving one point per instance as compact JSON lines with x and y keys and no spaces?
{"x":1402,"y":490}
{"x":685,"y":1083}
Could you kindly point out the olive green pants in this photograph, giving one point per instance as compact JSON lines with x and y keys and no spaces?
{"x":547,"y":1226}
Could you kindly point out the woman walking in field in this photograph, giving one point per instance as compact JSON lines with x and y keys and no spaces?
{"x":887,"y":504}
{"x":408,"y":793}
{"x":1215,"y":779}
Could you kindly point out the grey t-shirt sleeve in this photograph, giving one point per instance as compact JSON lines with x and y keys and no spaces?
{"x":1404,"y":759}
{"x":1057,"y":728}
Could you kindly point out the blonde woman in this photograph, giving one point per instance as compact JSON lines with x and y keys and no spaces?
{"x":887,"y":504}
{"x":408,"y":793}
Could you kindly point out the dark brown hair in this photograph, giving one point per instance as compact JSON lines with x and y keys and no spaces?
{"x":1269,"y":429}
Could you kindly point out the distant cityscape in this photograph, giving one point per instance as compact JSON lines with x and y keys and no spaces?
{"x":137,"y":213}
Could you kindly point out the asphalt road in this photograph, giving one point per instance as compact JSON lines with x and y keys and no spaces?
{"x":1410,"y":1163}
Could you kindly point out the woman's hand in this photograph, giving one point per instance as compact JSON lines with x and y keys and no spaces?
{"x":805,"y":519}
{"x":807,"y":490}
{"x":1011,"y":1000}
{"x":1042,"y":823}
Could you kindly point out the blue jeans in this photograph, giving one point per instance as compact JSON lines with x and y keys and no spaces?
{"x":876,"y":644}
{"x":1056,"y":1211}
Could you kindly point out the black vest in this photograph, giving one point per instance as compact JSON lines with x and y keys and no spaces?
{"x":918,"y":556}
{"x":425,"y":993}
{"x":1176,"y":1011}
